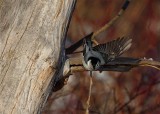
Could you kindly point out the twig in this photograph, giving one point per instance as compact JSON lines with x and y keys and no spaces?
{"x":79,"y":43}
{"x":89,"y":95}
{"x":77,"y":66}
{"x":111,"y":22}
{"x":73,"y":65}
{"x":135,"y":96}
{"x":151,"y":66}
{"x":150,"y":63}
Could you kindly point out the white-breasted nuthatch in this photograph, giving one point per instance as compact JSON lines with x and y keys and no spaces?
{"x":94,"y":57}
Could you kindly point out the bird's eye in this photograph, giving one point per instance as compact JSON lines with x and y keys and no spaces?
{"x":97,"y":65}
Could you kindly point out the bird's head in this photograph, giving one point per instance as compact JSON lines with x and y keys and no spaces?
{"x":93,"y":63}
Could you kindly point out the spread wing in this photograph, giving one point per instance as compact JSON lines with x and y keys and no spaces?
{"x":114,"y":48}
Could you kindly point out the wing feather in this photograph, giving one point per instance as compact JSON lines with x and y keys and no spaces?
{"x":114,"y":48}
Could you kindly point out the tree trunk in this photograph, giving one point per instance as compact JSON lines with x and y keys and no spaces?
{"x":31,"y":34}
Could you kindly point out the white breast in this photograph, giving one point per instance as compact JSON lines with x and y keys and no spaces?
{"x":88,"y":65}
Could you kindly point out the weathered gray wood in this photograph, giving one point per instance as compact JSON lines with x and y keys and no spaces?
{"x":31,"y":32}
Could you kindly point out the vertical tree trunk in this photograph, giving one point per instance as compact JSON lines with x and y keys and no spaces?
{"x":31,"y":34}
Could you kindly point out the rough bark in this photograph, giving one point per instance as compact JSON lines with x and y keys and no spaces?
{"x":31,"y":34}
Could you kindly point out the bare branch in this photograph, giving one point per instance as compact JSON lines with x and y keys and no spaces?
{"x":79,"y":43}
{"x":77,"y":66}
{"x":111,"y":22}
{"x":89,"y":95}
{"x":136,"y":95}
{"x":73,"y":65}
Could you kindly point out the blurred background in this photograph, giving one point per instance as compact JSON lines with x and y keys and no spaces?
{"x":133,"y":92}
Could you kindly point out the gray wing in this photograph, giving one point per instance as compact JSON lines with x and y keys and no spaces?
{"x":114,"y":48}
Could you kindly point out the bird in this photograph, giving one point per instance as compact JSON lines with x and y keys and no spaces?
{"x":96,"y":56}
